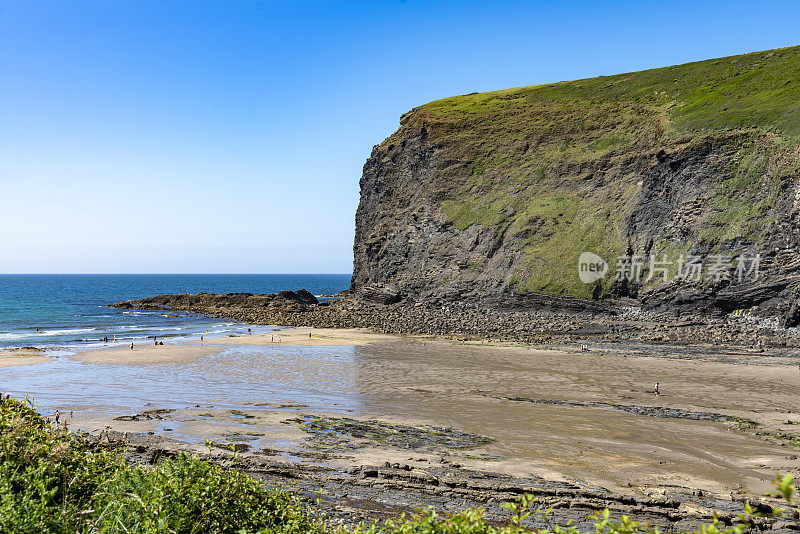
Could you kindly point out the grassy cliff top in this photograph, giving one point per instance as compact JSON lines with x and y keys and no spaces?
{"x":524,"y":161}
{"x":760,"y":89}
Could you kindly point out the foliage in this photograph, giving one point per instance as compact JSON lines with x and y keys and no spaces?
{"x":51,"y":482}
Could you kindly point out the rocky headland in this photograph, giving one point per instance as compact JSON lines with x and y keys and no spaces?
{"x":661,"y":205}
{"x":682,"y":181}
{"x":606,"y":322}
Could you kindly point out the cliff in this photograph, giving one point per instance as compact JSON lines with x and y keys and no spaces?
{"x":491,"y":198}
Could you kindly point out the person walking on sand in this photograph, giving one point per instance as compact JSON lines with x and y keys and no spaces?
{"x":131,"y":346}
{"x":656,"y":389}
{"x":57,"y":416}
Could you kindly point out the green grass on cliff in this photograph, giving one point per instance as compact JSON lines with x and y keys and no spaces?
{"x":746,"y":91}
{"x":745,"y":197}
{"x":536,"y":154}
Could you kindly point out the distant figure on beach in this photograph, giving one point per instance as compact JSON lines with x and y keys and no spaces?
{"x":656,"y":389}
{"x":272,"y":339}
{"x":201,"y":338}
{"x":131,"y":346}
{"x":160,"y":342}
{"x":309,"y":335}
{"x":105,"y":339}
{"x":155,"y":340}
{"x":249,"y":332}
{"x":57,"y":416}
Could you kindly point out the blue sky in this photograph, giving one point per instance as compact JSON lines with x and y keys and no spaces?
{"x":228,"y":137}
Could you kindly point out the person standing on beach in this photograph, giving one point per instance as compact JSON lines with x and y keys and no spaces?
{"x":131,"y":346}
{"x":656,"y":389}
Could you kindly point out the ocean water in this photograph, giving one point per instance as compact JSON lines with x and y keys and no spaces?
{"x":70,"y":311}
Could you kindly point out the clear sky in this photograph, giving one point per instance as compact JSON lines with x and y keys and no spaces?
{"x":228,"y":137}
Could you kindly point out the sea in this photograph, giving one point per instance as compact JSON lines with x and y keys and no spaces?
{"x":70,"y":312}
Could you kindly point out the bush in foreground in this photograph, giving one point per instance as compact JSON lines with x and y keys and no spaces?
{"x":50,"y":482}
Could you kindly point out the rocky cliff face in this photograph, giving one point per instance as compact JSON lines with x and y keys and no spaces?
{"x":683,"y":179}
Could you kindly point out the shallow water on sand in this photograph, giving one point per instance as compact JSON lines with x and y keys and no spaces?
{"x":321,"y":377}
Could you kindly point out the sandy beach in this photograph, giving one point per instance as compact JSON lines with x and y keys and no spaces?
{"x":15,"y":357}
{"x":307,"y":336}
{"x":724,"y":420}
{"x":176,"y":353}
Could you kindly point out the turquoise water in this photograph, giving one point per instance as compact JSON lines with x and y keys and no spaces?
{"x":69,"y":311}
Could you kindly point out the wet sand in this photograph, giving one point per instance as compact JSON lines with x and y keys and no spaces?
{"x":145,"y":354}
{"x":13,"y":358}
{"x":553,"y":412}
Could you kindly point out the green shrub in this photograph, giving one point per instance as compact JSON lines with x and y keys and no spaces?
{"x":50,"y":482}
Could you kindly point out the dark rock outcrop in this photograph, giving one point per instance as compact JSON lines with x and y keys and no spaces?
{"x":222,"y":305}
